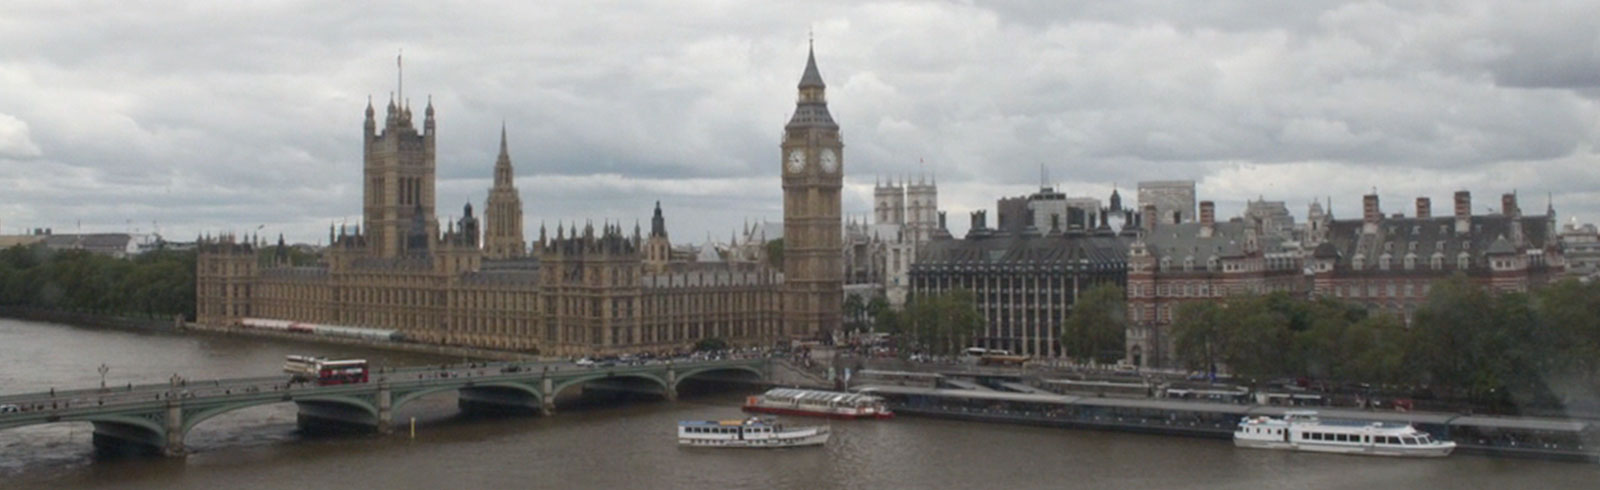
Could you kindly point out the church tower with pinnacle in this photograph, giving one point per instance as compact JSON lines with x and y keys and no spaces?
{"x":397,"y":208}
{"x":502,"y":212}
{"x":812,"y":164}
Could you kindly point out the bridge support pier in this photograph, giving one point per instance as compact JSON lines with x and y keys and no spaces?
{"x":174,"y":429}
{"x":385,"y":409}
{"x":547,"y":398}
{"x":671,"y":392}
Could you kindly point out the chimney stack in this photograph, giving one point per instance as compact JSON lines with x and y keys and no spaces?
{"x":1208,"y":218}
{"x":1370,"y":213}
{"x":1148,"y":218}
{"x":1424,"y":208}
{"x":1463,"y":211}
{"x":1508,"y":205}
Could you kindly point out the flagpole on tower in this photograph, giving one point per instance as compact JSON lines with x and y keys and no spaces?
{"x":400,"y":74}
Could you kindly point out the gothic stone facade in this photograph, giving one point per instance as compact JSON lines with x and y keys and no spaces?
{"x":581,"y":292}
{"x":812,"y":162}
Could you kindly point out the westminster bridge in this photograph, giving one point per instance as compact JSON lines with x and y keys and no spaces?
{"x":154,"y":418}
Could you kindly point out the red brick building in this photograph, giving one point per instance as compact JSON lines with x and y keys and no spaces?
{"x":1383,"y":263}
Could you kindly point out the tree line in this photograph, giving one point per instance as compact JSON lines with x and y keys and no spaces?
{"x":156,"y":284}
{"x":1500,"y":350}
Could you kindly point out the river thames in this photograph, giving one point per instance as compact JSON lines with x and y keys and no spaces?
{"x":628,"y":446}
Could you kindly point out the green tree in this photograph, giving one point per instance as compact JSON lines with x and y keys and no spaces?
{"x":1571,"y":319}
{"x":1198,"y":335}
{"x":854,"y":312}
{"x":944,"y":323}
{"x":1371,"y":350}
{"x":1255,"y":340}
{"x":1097,"y":328}
{"x":775,"y":253}
{"x":875,"y":310}
{"x":155,"y":284}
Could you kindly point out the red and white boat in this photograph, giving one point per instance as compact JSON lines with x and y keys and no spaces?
{"x":833,"y":404}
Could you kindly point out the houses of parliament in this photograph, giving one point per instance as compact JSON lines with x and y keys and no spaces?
{"x":576,"y":290}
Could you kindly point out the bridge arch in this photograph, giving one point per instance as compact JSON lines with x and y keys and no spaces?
{"x":152,"y":423}
{"x":604,"y":375}
{"x":194,"y":418}
{"x":155,"y":426}
{"x":411,"y":396}
{"x":697,"y":371}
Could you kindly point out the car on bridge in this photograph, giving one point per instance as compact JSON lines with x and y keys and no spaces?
{"x":9,"y":408}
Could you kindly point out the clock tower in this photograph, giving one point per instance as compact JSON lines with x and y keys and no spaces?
{"x":812,"y":164}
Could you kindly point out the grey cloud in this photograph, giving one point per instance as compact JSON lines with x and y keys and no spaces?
{"x":210,"y":117}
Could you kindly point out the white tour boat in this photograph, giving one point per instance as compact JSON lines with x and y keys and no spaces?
{"x":753,"y":432}
{"x":1303,"y":431}
{"x":792,"y":401}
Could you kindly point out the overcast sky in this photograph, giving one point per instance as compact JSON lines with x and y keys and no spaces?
{"x":216,"y":116}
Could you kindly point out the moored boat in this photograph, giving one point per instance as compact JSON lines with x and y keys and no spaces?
{"x":1303,"y":431}
{"x":755,"y":432}
{"x":793,"y":401}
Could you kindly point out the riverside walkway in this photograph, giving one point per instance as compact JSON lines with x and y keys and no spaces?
{"x":155,"y":417}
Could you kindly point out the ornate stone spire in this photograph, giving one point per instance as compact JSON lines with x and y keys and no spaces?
{"x":503,"y":209}
{"x":811,"y":109}
{"x":812,"y":77}
{"x":658,"y":224}
{"x":502,"y":164}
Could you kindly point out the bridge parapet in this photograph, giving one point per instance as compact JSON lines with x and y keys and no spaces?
{"x":156,"y":417}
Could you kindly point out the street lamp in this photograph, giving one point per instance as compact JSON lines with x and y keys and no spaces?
{"x":103,"y":369}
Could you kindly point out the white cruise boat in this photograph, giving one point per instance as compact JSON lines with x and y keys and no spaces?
{"x":754,"y":432}
{"x":1303,"y":431}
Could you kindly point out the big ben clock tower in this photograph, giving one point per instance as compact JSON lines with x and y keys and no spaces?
{"x":813,"y":171}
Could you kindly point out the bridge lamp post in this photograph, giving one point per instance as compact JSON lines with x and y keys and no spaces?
{"x":103,"y":370}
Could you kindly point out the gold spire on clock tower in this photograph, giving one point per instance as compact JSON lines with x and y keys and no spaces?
{"x":812,"y":165}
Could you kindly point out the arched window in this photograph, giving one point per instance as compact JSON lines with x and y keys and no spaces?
{"x":1463,"y":261}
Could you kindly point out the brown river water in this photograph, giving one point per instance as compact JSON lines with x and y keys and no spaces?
{"x":629,"y":445}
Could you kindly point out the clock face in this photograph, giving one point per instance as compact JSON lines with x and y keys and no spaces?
{"x":797,"y":160}
{"x":830,"y":160}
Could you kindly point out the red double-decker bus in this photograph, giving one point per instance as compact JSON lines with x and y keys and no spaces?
{"x":326,"y":372}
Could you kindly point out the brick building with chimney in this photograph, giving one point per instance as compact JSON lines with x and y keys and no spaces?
{"x":1384,"y":263}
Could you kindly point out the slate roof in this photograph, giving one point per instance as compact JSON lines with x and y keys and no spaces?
{"x":1099,"y":251}
{"x":1428,"y":236}
{"x":1183,"y":240}
{"x":812,"y":77}
{"x":814,"y":113}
